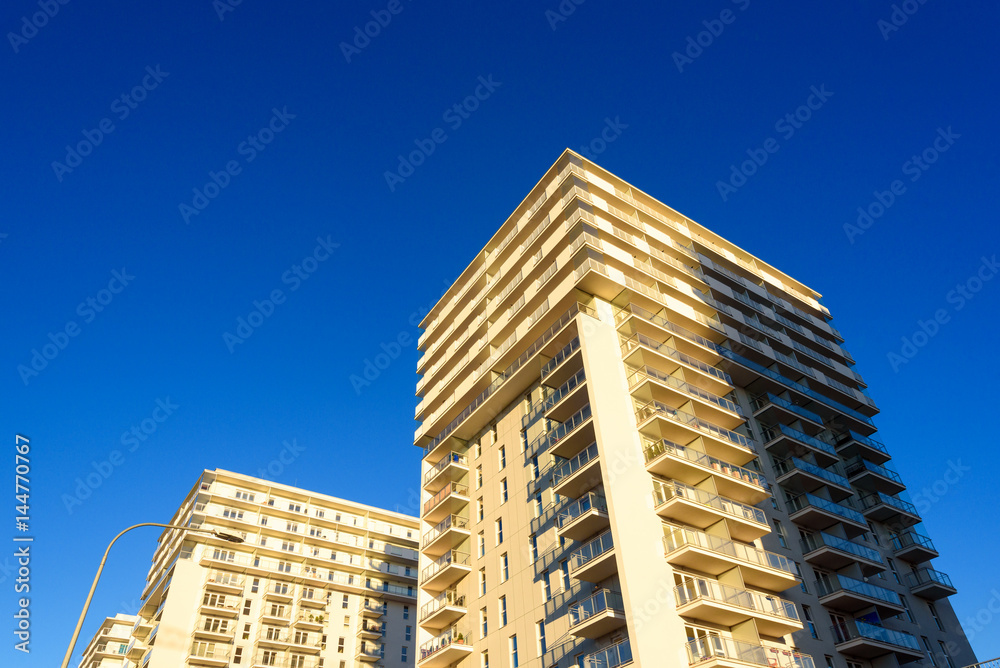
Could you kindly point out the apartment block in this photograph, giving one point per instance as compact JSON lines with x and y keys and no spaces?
{"x":108,"y":646}
{"x":645,"y":446}
{"x":318,"y":582}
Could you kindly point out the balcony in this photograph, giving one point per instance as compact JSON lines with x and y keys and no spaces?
{"x":618,"y":654}
{"x":575,"y":476}
{"x":650,"y":383}
{"x":817,"y":513}
{"x":930,"y":584}
{"x":716,"y":603}
{"x":301,"y":641}
{"x":799,"y":475}
{"x":864,"y":446}
{"x":309,"y":619}
{"x":913,"y":547}
{"x":639,"y":349}
{"x":714,"y":555}
{"x":783,"y":441}
{"x":208,"y":654}
{"x":598,"y":615}
{"x":678,"y":462}
{"x":857,"y":638}
{"x":443,"y":610}
{"x":225,"y":581}
{"x":279,"y":591}
{"x":368,"y":651}
{"x":717,"y":652}
{"x":572,"y":436}
{"x":450,"y":499}
{"x":583,"y":518}
{"x":566,"y":400}
{"x":447,"y":535}
{"x":444,"y":650}
{"x":831,"y":552}
{"x":839,"y":592}
{"x":594,"y":561}
{"x":663,"y":421}
{"x":866,"y":475}
{"x":452,"y":468}
{"x":445,"y":571}
{"x":369,"y":629}
{"x":889,"y":509}
{"x":220,"y":605}
{"x":770,"y":408}
{"x":371,"y":608}
{"x":676,"y":501}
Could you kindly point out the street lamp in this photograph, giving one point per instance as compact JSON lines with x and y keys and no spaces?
{"x":79,"y":624}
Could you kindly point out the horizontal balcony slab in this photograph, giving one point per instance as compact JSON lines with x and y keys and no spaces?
{"x":596,"y":569}
{"x":712,"y":562}
{"x":599,"y":624}
{"x":585,"y":525}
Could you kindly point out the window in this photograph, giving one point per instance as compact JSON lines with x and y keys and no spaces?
{"x":540,"y":631}
{"x":809,"y":621}
{"x":347,"y":621}
{"x":944,"y":653}
{"x":340,"y":645}
{"x":513,"y":652}
{"x":829,"y":661}
{"x":934,"y":614}
{"x":406,"y":612}
{"x":403,"y":654}
{"x":255,"y":586}
{"x":482,"y":581}
{"x":482,"y":544}
{"x":246,"y":631}
{"x":479,"y":476}
{"x":268,"y":657}
{"x":524,"y":440}
{"x":802,"y":584}
{"x":344,"y":604}
{"x":537,"y":503}
{"x":502,"y":603}
{"x":504,"y":567}
{"x":534,"y":548}
{"x":479,"y":509}
{"x":237,"y":655}
{"x":499,"y":527}
{"x":246,"y":606}
{"x":564,"y":569}
{"x":503,"y":491}
{"x":493,"y":434}
{"x":534,"y":468}
{"x":232,"y":513}
{"x":930,"y":652}
{"x":479,"y":449}
{"x":224,"y":555}
{"x":502,"y":456}
{"x":779,"y":531}
{"x":546,"y":587}
{"x":483,"y":625}
{"x":485,"y":660}
{"x":892,"y":567}
{"x":244,"y":496}
{"x":409,"y":632}
{"x":906,"y":609}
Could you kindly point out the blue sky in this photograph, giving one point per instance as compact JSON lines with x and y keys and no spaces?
{"x":249,"y":155}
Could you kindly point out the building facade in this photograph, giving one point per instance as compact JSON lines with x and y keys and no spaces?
{"x":318,"y":582}
{"x":109,"y":645}
{"x":645,"y":446}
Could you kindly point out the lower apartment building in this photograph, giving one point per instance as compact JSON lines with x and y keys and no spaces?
{"x":318,"y":582}
{"x":645,"y":446}
{"x":110,"y":643}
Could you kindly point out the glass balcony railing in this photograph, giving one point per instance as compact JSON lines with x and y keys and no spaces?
{"x":453,"y":458}
{"x":866,"y":440}
{"x":646,"y":411}
{"x":675,"y":538}
{"x":699,"y":588}
{"x":665,"y":490}
{"x":773,"y":432}
{"x":786,"y":466}
{"x":810,"y":500}
{"x":590,"y":501}
{"x":601,"y":601}
{"x":923,"y":576}
{"x":446,"y":491}
{"x":909,"y":539}
{"x":618,"y":654}
{"x":452,"y":521}
{"x":878,"y":498}
{"x":834,"y":582}
{"x":548,"y":402}
{"x":715,"y":647}
{"x":858,"y":464}
{"x":768,"y":398}
{"x":449,"y":598}
{"x":570,"y":466}
{"x":452,"y":636}
{"x":447,"y":559}
{"x":815,"y":541}
{"x":560,"y":357}
{"x":592,"y":550}
{"x":660,"y":321}
{"x":852,"y":629}
{"x":654,"y":449}
{"x":637,"y":375}
{"x":641,"y":339}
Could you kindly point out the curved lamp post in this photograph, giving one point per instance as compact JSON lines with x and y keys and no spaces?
{"x":83,"y":615}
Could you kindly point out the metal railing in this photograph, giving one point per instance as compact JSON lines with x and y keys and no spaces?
{"x":700,"y":588}
{"x":676,"y":538}
{"x":447,"y":559}
{"x":618,"y":654}
{"x":652,"y":450}
{"x":840,"y":509}
{"x":444,"y":525}
{"x":592,"y":550}
{"x":637,"y":375}
{"x":589,"y":501}
{"x":852,"y":629}
{"x":834,"y":582}
{"x":665,"y":490}
{"x":716,"y":647}
{"x":815,"y":541}
{"x":647,"y":411}
{"x":453,"y":458}
{"x":571,"y":466}
{"x":600,"y":601}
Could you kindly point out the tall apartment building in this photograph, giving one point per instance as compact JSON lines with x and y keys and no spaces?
{"x":318,"y":582}
{"x":110,"y":643}
{"x":645,"y":446}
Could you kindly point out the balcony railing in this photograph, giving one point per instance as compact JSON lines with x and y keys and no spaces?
{"x":858,"y":464}
{"x":699,"y":588}
{"x":571,"y":466}
{"x":912,"y":538}
{"x":617,"y":655}
{"x":636,"y":376}
{"x":667,"y":351}
{"x":815,"y":541}
{"x":852,"y":629}
{"x":452,"y":521}
{"x":676,"y":537}
{"x":446,"y":491}
{"x":654,"y":449}
{"x":444,"y":599}
{"x":592,"y":550}
{"x":794,"y":463}
{"x":923,"y":576}
{"x":867,"y":440}
{"x":716,"y":647}
{"x":660,"y":321}
{"x":555,"y":397}
{"x":664,"y":490}
{"x":771,"y":433}
{"x":452,"y":636}
{"x":806,"y":500}
{"x":590,"y":501}
{"x":759,"y":402}
{"x":647,"y":411}
{"x":599,"y":602}
{"x":447,"y":559}
{"x":560,"y":357}
{"x":878,"y":498}
{"x":834,"y":582}
{"x":453,"y":458}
